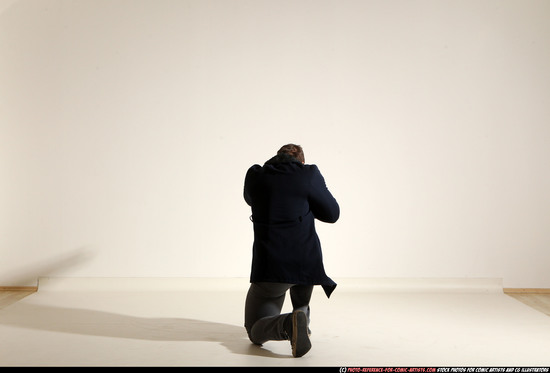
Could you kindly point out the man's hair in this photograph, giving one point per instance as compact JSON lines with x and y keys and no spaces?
{"x":294,"y":150}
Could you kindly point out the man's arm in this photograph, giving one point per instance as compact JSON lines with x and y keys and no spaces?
{"x":247,"y":182}
{"x":321,"y":202}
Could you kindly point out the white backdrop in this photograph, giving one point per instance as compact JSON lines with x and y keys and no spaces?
{"x":127,"y":127}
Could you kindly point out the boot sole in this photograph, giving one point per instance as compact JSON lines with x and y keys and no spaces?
{"x":300,"y":338}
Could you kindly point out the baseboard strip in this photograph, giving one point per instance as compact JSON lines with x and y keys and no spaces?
{"x":19,"y":288}
{"x":506,"y":290}
{"x":527,"y":290}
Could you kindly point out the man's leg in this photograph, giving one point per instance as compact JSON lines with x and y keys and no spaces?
{"x":300,"y":295}
{"x":263,"y":319}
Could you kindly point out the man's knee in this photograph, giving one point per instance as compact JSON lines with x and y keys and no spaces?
{"x":251,"y":338}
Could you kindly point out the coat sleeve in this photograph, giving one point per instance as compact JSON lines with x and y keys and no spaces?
{"x":321,"y":202}
{"x":247,"y":184}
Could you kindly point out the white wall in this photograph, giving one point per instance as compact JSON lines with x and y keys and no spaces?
{"x":127,"y":127}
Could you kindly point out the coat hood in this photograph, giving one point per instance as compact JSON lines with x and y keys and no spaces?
{"x":283,"y":158}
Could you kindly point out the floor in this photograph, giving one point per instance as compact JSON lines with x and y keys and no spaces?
{"x":199,"y":323}
{"x":538,"y":301}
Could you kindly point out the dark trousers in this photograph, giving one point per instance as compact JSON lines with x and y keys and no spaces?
{"x":264,"y":302}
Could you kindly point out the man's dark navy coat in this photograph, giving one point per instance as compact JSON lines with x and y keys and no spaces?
{"x":286,"y":197}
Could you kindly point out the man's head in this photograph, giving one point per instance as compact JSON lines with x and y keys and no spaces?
{"x":294,"y":150}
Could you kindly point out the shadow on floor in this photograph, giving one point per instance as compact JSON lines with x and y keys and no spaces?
{"x":107,"y":324}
